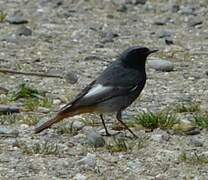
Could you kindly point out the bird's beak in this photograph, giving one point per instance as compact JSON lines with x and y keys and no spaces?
{"x":152,"y":51}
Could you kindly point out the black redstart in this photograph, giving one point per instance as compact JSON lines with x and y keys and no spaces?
{"x":113,"y":91}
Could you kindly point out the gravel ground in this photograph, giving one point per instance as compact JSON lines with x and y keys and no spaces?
{"x":77,"y":40}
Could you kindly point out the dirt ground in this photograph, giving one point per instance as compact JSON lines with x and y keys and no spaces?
{"x":79,"y":38}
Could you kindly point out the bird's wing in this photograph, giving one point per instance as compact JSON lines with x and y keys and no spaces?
{"x":99,"y":93}
{"x":114,"y":81}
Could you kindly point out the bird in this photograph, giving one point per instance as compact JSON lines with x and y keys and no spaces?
{"x":116,"y":88}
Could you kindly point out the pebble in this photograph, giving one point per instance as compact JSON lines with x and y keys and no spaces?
{"x":135,"y":2}
{"x":142,"y":2}
{"x":169,"y":41}
{"x":95,"y":139}
{"x":78,"y":125}
{"x":164,"y":34}
{"x":71,"y":77}
{"x":187,"y":10}
{"x":3,"y":91}
{"x":135,"y":165}
{"x":196,"y":142}
{"x":56,"y":101}
{"x":175,"y":8}
{"x":122,"y":8}
{"x":194,"y":22}
{"x":79,"y":177}
{"x":17,"y":18}
{"x":161,"y":65}
{"x":43,"y":110}
{"x":23,"y":31}
{"x":89,"y":160}
{"x":160,"y":137}
{"x":8,"y":132}
{"x":161,"y":21}
{"x":108,"y":37}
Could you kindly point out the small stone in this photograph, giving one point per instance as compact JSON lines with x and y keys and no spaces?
{"x":89,"y":160}
{"x":136,"y":2}
{"x":95,"y":139}
{"x":71,"y":77}
{"x":79,"y":177}
{"x":78,"y":125}
{"x":24,"y":126}
{"x":169,"y":41}
{"x":10,"y":38}
{"x":98,"y":45}
{"x":164,"y":34}
{"x":43,"y":109}
{"x":122,"y":8}
{"x":108,"y":37}
{"x":56,"y":101}
{"x":135,"y":165}
{"x":175,"y":8}
{"x":92,"y":57}
{"x":23,"y":31}
{"x":196,"y":142}
{"x":187,"y":10}
{"x":8,"y":132}
{"x":186,"y":129}
{"x":161,"y":21}
{"x":161,"y":65}
{"x":3,"y":90}
{"x":194,"y":22}
{"x":17,"y":18}
{"x":160,"y":137}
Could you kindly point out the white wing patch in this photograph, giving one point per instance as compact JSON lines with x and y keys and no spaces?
{"x":98,"y":89}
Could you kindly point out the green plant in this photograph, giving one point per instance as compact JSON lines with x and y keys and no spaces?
{"x":2,"y":16}
{"x":25,"y":91}
{"x":66,"y":129}
{"x":119,"y":145}
{"x":31,"y":104}
{"x":122,"y":144}
{"x":44,"y":148}
{"x":187,"y":107}
{"x":201,"y":120}
{"x":152,"y":120}
{"x":29,"y":120}
{"x":193,"y":159}
{"x":90,"y":122}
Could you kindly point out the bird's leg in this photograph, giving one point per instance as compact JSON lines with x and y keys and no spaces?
{"x":119,"y":118}
{"x":103,"y":121}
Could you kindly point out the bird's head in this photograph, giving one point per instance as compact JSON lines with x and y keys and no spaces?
{"x":135,"y":57}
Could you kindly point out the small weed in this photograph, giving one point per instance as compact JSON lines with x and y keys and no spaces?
{"x":18,"y":119}
{"x":9,"y":119}
{"x":193,"y":159}
{"x":45,"y":102}
{"x":187,"y":107}
{"x":152,"y":120}
{"x":90,"y":122}
{"x":125,"y":145}
{"x":4,"y":99}
{"x":119,"y":145}
{"x":32,"y":104}
{"x":30,"y":120}
{"x":2,"y":16}
{"x":201,"y":120}
{"x":44,"y":148}
{"x":25,"y":91}
{"x":66,"y":129}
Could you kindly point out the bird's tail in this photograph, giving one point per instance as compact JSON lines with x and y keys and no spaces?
{"x":66,"y":111}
